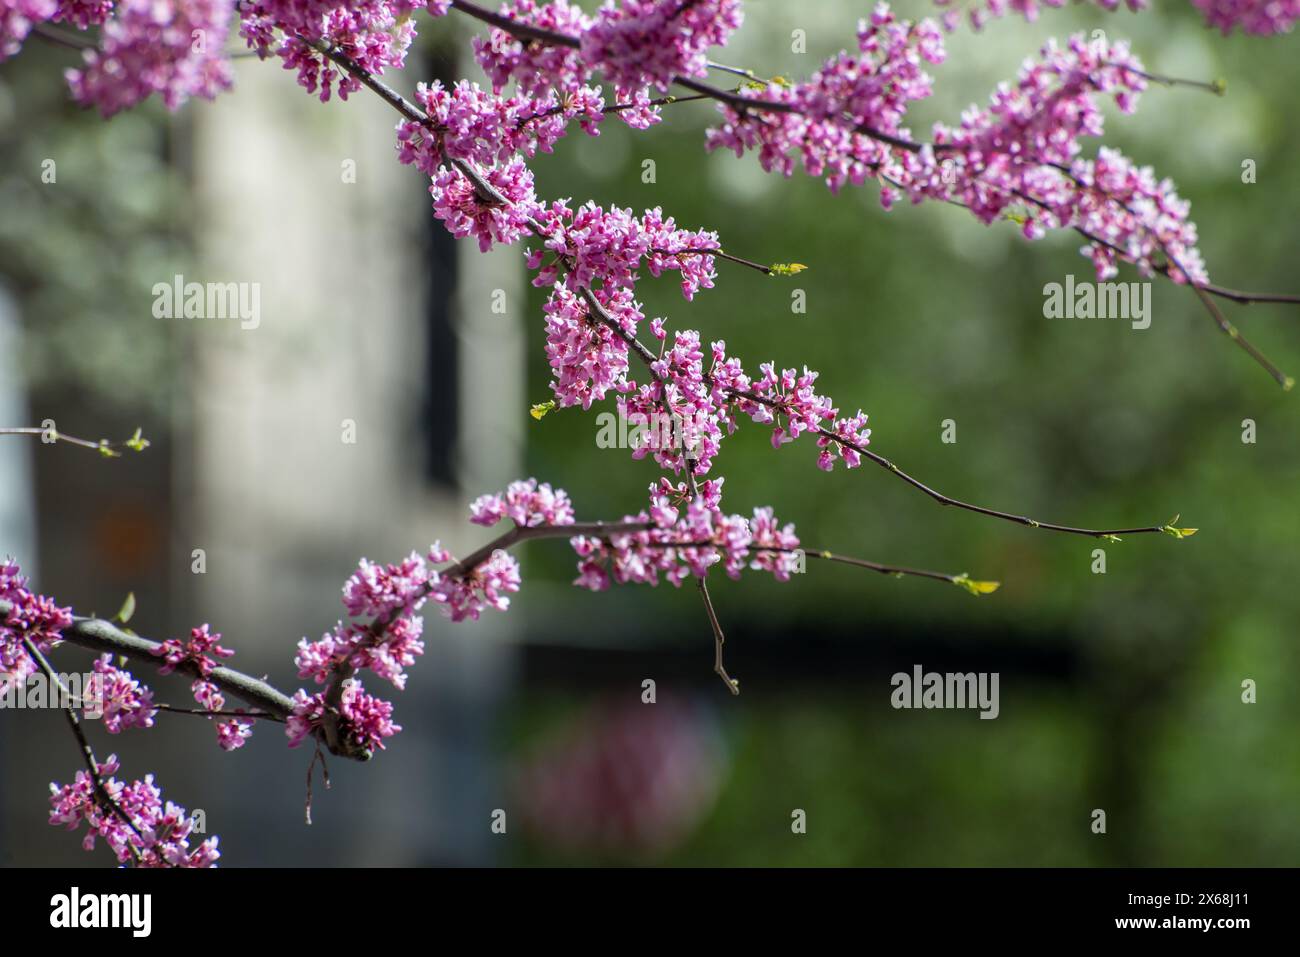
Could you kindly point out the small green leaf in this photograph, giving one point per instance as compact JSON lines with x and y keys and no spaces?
{"x":107,"y":451}
{"x":1111,"y":538}
{"x":1180,"y":533}
{"x":127,"y":610}
{"x":137,"y":442}
{"x":786,"y":269}
{"x":540,"y":409}
{"x":976,"y":587}
{"x":1219,"y":85}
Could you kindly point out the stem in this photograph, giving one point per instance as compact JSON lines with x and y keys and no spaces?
{"x":103,"y":446}
{"x":945,"y":499}
{"x":894,"y":571}
{"x":719,"y":639}
{"x":173,"y":709}
{"x":516,"y":28}
{"x":102,"y":795}
{"x":101,"y":636}
{"x":63,"y":38}
{"x":343,"y":671}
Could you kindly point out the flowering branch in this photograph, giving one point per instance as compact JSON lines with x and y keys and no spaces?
{"x":745,"y":100}
{"x":1018,"y":158}
{"x":100,"y":636}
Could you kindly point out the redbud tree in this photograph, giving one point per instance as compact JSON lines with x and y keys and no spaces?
{"x":553,"y":68}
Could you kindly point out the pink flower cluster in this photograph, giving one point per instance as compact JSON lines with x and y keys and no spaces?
{"x":1261,"y":17}
{"x":790,"y":403}
{"x":839,"y":120}
{"x":390,"y":597}
{"x":590,"y":244}
{"x":194,"y":653}
{"x":375,"y":34}
{"x":536,"y":68}
{"x":689,"y":535}
{"x":31,"y":616}
{"x":161,"y":833}
{"x":587,"y":357}
{"x":456,"y":201}
{"x":1018,"y":156}
{"x":123,"y":701}
{"x":365,"y":721}
{"x":526,"y":503}
{"x":981,"y":11}
{"x":469,"y":123}
{"x":17,"y":17}
{"x":645,"y":43}
{"x":1023,"y":151}
{"x":1136,"y":216}
{"x":175,"y":48}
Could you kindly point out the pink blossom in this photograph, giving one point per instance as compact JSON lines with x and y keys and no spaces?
{"x":374,"y":34}
{"x":194,"y":652}
{"x":158,"y":835}
{"x":31,"y":616}
{"x":17,"y":17}
{"x":536,"y":68}
{"x":689,"y":536}
{"x":640,"y":43}
{"x":485,"y":586}
{"x":526,"y":503}
{"x":836,"y":119}
{"x":175,"y":48}
{"x":388,"y":653}
{"x":1261,"y":17}
{"x":587,"y":357}
{"x":979,"y":13}
{"x":232,"y":734}
{"x":364,"y":721}
{"x":379,"y":591}
{"x":122,"y":700}
{"x":457,"y":203}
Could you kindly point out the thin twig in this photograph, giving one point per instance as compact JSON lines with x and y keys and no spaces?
{"x":102,"y":794}
{"x":104,"y":447}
